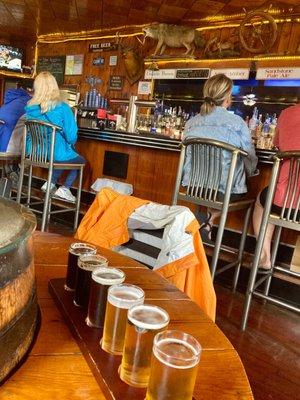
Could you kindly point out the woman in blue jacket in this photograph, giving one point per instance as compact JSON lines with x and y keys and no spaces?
{"x":46,"y":106}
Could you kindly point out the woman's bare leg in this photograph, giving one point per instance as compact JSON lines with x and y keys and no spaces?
{"x":265,"y":258}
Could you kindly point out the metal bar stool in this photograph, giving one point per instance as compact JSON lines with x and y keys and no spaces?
{"x":288,"y":218}
{"x":40,"y":153}
{"x":203,"y":189}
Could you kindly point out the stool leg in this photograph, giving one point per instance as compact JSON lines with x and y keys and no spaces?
{"x":49,"y":211}
{"x":241,"y":248}
{"x":78,"y":199}
{"x":29,"y":185}
{"x":218,"y":242}
{"x":46,"y":203}
{"x":20,"y":184}
{"x":253,"y":273}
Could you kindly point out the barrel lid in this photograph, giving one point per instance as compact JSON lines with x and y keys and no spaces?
{"x":16,"y":223}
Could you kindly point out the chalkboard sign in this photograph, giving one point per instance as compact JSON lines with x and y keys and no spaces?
{"x":116,"y":82}
{"x":53,"y":64}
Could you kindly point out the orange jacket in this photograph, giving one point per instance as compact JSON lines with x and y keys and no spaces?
{"x":105,"y":225}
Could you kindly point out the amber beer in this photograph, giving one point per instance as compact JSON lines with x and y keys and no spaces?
{"x":102,"y":279}
{"x":120,"y":299}
{"x":86,"y":265}
{"x":143,"y":323}
{"x":174,"y":365}
{"x":75,"y":250}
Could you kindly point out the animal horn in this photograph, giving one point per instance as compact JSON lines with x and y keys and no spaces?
{"x":141,"y":41}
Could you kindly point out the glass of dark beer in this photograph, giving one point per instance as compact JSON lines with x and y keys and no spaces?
{"x":75,"y":250}
{"x":174,"y":365}
{"x":143,"y":323}
{"x":120,"y":299}
{"x":102,"y":279}
{"x":86,"y":265}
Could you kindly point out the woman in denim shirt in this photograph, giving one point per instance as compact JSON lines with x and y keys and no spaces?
{"x":215,"y":122}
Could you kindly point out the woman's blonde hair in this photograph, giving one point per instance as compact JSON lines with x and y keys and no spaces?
{"x":216,"y":89}
{"x":46,"y":92}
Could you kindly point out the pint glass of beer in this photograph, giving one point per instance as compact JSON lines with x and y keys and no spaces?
{"x":143,"y":323}
{"x":174,"y":365}
{"x":75,"y":250}
{"x":120,"y":299}
{"x":86,"y":265}
{"x":102,"y":279}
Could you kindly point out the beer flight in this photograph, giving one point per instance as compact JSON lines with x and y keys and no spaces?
{"x":153,"y":357}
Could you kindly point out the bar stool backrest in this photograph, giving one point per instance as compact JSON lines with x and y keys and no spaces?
{"x":206,"y":168}
{"x":39,"y":141}
{"x":291,"y":161}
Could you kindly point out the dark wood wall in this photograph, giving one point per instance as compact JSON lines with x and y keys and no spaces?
{"x":286,"y":45}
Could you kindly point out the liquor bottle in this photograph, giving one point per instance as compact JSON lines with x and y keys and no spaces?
{"x":259,"y":126}
{"x":266,"y":125}
{"x":253,"y":122}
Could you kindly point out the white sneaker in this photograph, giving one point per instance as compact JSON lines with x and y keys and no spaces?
{"x":52,"y":187}
{"x":65,"y":194}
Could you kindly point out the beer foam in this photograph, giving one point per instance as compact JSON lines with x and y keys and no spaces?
{"x":125,"y":296}
{"x":108,"y":276}
{"x":89,"y":262}
{"x":177,"y":351}
{"x":78,"y":248}
{"x":146,"y":316}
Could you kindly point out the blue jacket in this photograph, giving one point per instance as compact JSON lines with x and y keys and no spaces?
{"x":225,"y":127}
{"x":13,"y":108}
{"x":66,"y":138}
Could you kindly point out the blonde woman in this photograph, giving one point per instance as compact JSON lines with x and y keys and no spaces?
{"x":46,"y":106}
{"x":215,"y":122}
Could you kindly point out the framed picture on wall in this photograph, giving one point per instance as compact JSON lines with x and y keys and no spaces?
{"x":74,"y":64}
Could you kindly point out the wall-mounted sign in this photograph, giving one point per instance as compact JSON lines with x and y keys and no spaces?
{"x":53,"y":64}
{"x":188,"y":73}
{"x":98,"y":61}
{"x":113,"y":60}
{"x":105,"y":46}
{"x":144,"y":87}
{"x":116,"y":82}
{"x":192,"y":73}
{"x":160,"y":74}
{"x":74,"y":64}
{"x":232,"y":73}
{"x":278,"y":73}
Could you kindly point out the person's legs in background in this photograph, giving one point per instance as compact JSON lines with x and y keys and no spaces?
{"x":64,"y":192}
{"x":55,"y":177}
{"x":265,"y":258}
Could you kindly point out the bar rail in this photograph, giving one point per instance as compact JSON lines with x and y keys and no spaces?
{"x":154,"y":141}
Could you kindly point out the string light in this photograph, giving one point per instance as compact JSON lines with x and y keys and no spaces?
{"x":208,"y":60}
{"x":80,"y":38}
{"x":96,"y":34}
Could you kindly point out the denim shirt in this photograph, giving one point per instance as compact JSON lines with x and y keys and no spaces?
{"x":225,"y":127}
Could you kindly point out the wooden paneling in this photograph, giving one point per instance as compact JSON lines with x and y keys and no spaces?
{"x":152,"y":172}
{"x":35,"y":18}
{"x":286,"y":44}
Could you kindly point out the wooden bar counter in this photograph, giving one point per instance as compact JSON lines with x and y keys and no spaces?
{"x":56,"y":368}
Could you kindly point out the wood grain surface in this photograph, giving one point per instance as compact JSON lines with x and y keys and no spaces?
{"x":56,"y":369}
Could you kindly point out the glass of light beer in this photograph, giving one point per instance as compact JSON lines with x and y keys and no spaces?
{"x":174,"y":365}
{"x":102,"y":279}
{"x":120,"y":299}
{"x":75,"y":250}
{"x":143,"y":323}
{"x":86,"y":265}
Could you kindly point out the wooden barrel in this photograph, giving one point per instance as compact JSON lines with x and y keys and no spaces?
{"x":18,"y":303}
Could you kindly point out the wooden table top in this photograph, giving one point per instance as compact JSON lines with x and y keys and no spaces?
{"x":56,"y":368}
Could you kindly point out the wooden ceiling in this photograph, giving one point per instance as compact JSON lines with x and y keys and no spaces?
{"x":28,"y":19}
